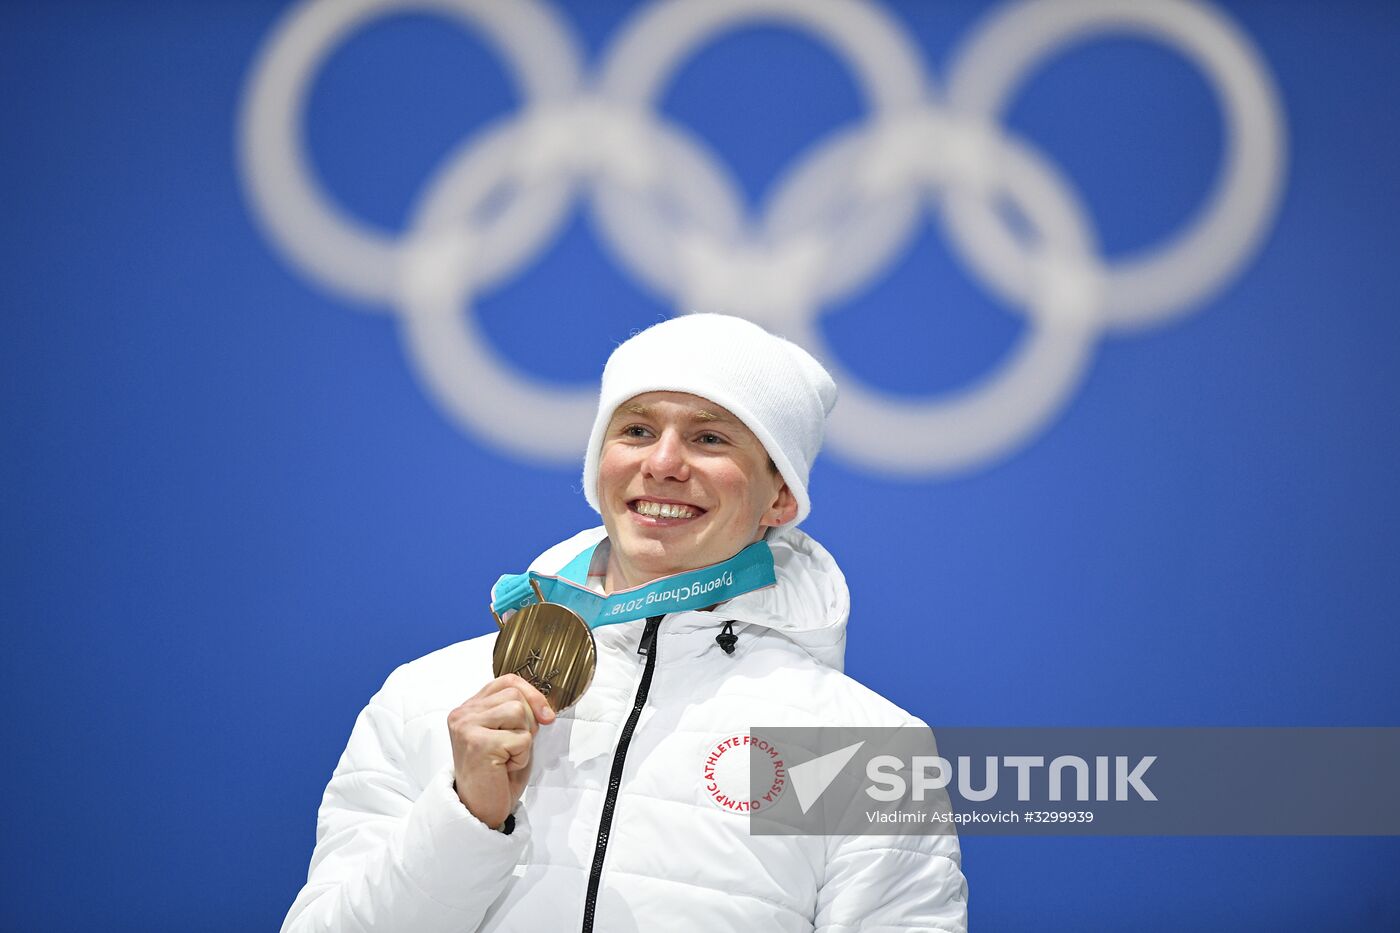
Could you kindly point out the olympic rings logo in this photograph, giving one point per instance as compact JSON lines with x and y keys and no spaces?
{"x":677,"y":223}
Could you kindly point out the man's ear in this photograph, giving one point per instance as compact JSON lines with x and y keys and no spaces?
{"x":783,"y":509}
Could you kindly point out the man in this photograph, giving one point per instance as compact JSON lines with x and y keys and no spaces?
{"x":497,"y":814}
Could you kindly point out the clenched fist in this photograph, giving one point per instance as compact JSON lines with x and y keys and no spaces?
{"x":492,"y":734}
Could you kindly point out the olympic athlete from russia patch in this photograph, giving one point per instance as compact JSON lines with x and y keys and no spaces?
{"x":726,"y":774}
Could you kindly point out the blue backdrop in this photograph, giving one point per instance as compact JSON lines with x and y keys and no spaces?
{"x":233,"y":501}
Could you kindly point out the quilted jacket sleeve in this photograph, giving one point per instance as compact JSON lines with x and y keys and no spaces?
{"x":889,"y":883}
{"x":393,"y":855}
{"x":894,"y":882}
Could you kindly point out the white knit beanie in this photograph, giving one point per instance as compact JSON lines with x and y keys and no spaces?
{"x":772,"y":385}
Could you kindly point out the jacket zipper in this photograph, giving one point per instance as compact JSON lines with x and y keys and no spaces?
{"x":646,"y":647}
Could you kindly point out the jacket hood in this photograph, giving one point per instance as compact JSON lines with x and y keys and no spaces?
{"x":809,"y":605}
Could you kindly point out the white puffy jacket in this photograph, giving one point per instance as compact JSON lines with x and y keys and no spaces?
{"x":396,"y":850}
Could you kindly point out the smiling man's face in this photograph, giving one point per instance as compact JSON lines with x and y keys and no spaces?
{"x":682,"y":484}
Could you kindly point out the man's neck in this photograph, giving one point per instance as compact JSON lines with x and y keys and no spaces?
{"x":619,"y":578}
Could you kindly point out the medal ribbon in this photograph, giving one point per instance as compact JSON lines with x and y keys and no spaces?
{"x":751,"y":569}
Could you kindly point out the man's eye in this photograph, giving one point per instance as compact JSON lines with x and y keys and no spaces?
{"x":634,"y":430}
{"x":711,"y":439}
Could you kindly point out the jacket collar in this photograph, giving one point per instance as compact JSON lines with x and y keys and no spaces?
{"x":809,"y":605}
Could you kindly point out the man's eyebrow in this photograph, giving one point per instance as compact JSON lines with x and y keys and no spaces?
{"x":700,"y":416}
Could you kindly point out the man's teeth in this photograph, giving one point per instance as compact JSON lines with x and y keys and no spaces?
{"x":664,"y":510}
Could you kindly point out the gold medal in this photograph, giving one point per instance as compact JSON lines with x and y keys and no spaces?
{"x":551,"y":647}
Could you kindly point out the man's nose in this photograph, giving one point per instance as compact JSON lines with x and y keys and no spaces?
{"x":667,"y":458}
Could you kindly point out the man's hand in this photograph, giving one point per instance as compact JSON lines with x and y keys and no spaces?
{"x":492,"y":734}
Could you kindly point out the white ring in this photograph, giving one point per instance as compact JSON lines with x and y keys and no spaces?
{"x":340,"y":252}
{"x":1170,"y":283}
{"x":1057,"y":283}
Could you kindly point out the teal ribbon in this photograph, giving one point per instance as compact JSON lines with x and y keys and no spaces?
{"x":750,"y":569}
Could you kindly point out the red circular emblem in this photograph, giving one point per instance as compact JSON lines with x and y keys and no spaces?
{"x":725,"y":774}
